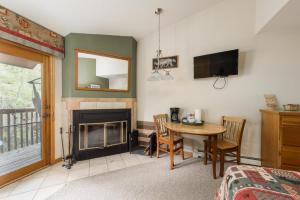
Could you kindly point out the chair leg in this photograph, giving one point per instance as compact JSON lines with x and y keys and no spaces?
{"x":238,"y":157}
{"x":182,"y":152}
{"x":157,"y":150}
{"x":222,"y":161}
{"x":205,"y":153}
{"x":210,"y":151}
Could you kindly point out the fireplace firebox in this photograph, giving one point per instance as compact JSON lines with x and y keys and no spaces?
{"x":100,"y":132}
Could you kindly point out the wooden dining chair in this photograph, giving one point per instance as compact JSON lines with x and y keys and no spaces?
{"x":163,"y":136}
{"x":230,"y":142}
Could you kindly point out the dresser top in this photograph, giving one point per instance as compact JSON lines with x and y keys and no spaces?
{"x":280,"y":112}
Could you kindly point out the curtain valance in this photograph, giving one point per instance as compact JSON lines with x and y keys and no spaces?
{"x":18,"y":29}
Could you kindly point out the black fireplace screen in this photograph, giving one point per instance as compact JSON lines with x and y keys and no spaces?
{"x":100,"y":135}
{"x":100,"y":132}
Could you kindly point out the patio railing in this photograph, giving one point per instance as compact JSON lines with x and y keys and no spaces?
{"x":19,"y":128}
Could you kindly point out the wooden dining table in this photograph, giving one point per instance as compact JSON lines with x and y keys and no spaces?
{"x":210,"y":130}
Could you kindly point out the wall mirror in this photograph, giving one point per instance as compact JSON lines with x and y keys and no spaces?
{"x":102,"y":72}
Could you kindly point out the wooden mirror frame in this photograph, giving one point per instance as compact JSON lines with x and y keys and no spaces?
{"x":106,"y":55}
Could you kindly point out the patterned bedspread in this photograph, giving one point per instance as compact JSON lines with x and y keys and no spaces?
{"x":243,"y":182}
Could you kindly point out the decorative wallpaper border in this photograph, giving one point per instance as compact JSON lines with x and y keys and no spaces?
{"x":21,"y":30}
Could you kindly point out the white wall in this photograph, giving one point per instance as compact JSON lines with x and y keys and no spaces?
{"x":266,"y":10}
{"x":269,"y":63}
{"x":58,"y":106}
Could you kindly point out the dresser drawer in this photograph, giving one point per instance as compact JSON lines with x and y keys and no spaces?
{"x":290,"y":167}
{"x":290,"y":156}
{"x":290,"y":121}
{"x":291,"y":136}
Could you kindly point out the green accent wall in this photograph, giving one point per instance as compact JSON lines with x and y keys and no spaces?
{"x":118,"y":45}
{"x":87,"y":71}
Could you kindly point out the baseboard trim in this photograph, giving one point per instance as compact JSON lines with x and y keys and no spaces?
{"x":245,"y":160}
{"x":251,"y":158}
{"x":56,"y":161}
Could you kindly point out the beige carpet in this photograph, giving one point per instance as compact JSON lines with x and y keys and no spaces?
{"x":189,"y":180}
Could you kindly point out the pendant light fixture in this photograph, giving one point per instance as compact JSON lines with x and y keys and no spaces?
{"x":156,"y":75}
{"x":167,"y":76}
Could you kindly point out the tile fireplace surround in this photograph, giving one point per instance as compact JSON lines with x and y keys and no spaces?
{"x":68,"y":104}
{"x":72,"y":103}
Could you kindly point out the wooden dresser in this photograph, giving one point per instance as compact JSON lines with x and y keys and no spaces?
{"x":280,"y":139}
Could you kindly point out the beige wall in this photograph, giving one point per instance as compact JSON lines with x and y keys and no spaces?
{"x":269,"y":63}
{"x":58,"y":113}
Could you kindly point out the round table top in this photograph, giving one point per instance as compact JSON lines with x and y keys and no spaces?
{"x":205,"y":129}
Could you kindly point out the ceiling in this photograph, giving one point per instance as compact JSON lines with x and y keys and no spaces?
{"x":115,"y":17}
{"x":287,"y":19}
{"x":17,"y":61}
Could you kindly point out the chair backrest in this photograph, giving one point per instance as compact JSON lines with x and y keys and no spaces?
{"x":234,"y":129}
{"x":159,"y":122}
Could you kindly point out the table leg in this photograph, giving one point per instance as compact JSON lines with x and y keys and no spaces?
{"x":171,"y":150}
{"x":214,"y":156}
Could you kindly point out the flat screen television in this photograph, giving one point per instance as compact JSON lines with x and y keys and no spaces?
{"x":220,"y":64}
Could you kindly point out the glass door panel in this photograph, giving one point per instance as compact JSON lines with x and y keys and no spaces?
{"x":91,"y":136}
{"x":20,"y":113}
{"x":113,"y":133}
{"x":23,"y":111}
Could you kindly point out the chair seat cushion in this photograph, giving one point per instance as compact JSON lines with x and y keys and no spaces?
{"x":223,"y":144}
{"x":176,"y":138}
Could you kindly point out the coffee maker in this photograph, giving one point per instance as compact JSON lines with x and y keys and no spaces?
{"x":174,"y":113}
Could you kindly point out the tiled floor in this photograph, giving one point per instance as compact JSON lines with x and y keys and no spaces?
{"x":42,"y":184}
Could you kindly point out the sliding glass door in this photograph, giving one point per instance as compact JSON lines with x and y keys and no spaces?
{"x":24,"y":132}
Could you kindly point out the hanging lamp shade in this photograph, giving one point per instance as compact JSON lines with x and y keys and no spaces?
{"x":155,"y":76}
{"x":167,"y":76}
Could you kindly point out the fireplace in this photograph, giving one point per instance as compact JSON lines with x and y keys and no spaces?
{"x":100,"y":132}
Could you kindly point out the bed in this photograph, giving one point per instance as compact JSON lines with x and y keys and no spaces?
{"x":242,"y":182}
